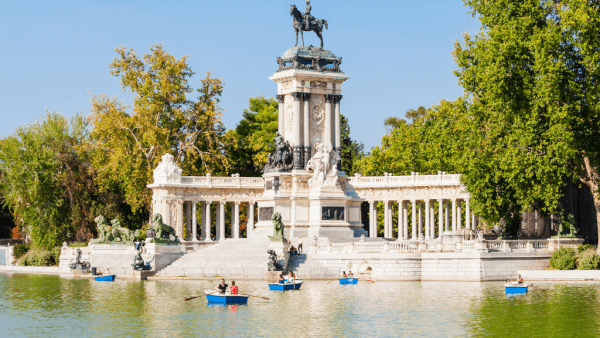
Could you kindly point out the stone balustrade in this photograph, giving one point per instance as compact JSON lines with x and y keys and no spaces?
{"x":433,"y":246}
{"x":223,"y":182}
{"x":414,"y":180}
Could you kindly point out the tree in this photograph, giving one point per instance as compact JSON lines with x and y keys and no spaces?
{"x":352,"y":151}
{"x":249,"y":144}
{"x":392,"y":123}
{"x":532,"y":78}
{"x":47,"y":185}
{"x":415,"y":115}
{"x":128,"y":142}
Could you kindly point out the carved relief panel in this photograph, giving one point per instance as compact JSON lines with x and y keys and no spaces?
{"x":289,"y":117}
{"x":317,"y":117}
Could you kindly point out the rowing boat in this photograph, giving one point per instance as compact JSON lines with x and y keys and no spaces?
{"x":344,"y":281}
{"x":288,"y":285}
{"x":214,"y":297}
{"x":108,"y":278}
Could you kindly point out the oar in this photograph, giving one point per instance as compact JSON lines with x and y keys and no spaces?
{"x":190,"y":298}
{"x":331,"y":281}
{"x":259,"y":297}
{"x":367,"y":280}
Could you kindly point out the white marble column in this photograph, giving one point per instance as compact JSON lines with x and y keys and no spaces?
{"x":250,"y":226}
{"x":188,"y":221}
{"x":447,"y":216}
{"x":420,"y":211}
{"x":474,"y":223}
{"x":180,"y":219}
{"x":432,"y":219}
{"x":440,"y":218}
{"x":386,"y":219}
{"x":232,"y":219}
{"x":405,"y":225}
{"x":236,"y":220}
{"x":459,"y":215}
{"x":427,"y":226}
{"x":414,"y":220}
{"x":207,"y":225}
{"x":297,"y":131}
{"x":194,"y":222}
{"x":218,"y":224}
{"x":306,"y":138}
{"x":454,"y":216}
{"x":281,"y":120}
{"x":467,"y":214}
{"x":327,"y":138}
{"x":222,"y":221}
{"x":373,"y":219}
{"x":338,"y":132}
{"x":400,"y":218}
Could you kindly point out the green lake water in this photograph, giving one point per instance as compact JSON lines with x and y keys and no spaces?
{"x":51,"y":306}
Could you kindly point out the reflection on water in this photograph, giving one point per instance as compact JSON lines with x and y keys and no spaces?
{"x":34,"y":305}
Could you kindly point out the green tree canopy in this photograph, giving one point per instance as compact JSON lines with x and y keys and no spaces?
{"x":250,"y":142}
{"x":128,"y":141}
{"x":532,"y":78}
{"x":352,"y":150}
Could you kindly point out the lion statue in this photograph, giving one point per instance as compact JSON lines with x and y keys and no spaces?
{"x":162,"y":230}
{"x":105,"y":231}
{"x":277,"y":224}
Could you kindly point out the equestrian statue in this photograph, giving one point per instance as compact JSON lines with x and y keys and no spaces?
{"x":307,"y":23}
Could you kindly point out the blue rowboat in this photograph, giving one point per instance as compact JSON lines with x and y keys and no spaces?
{"x":214,"y":297}
{"x":108,"y":278}
{"x":516,"y":288}
{"x":344,"y":281}
{"x":288,"y":285}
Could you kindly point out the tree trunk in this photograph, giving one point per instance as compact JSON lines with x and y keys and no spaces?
{"x":591,"y":180}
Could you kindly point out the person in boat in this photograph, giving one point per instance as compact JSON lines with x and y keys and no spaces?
{"x":233,"y":289}
{"x":291,"y":277}
{"x":300,"y":245}
{"x":519,"y":279}
{"x":281,"y":281}
{"x":350,"y":274}
{"x":344,"y":275}
{"x":222,"y":287}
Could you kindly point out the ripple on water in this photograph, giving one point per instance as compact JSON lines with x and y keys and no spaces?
{"x":37,"y":305}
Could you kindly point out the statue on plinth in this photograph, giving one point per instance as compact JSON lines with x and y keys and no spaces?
{"x":161,"y":231}
{"x":281,"y":158}
{"x":167,"y":171}
{"x":138,"y":261}
{"x":79,"y":265}
{"x":306,"y":23}
{"x":114,"y":233}
{"x":324,"y":165}
{"x":273,"y":265}
{"x":278,"y":228}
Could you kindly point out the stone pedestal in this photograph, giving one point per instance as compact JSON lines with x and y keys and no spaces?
{"x":272,"y":276}
{"x":137,"y":275}
{"x":554,"y":243}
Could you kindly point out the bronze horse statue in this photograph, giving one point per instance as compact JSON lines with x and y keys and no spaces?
{"x":316,"y":25}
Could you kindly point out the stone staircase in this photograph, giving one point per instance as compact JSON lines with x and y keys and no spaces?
{"x":230,"y":258}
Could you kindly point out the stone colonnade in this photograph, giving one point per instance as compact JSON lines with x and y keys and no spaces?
{"x":197,"y":216}
{"x":422,"y":213}
{"x":301,"y":140}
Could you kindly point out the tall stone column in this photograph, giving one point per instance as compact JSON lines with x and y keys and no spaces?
{"x":373,"y":219}
{"x":180,"y":218}
{"x":188,"y":221}
{"x":218,"y":224}
{"x":306,"y":137}
{"x":327,"y":138}
{"x":297,"y":134}
{"x":386,"y":219}
{"x":427,"y":227}
{"x":458,"y":215}
{"x":454,"y":216}
{"x":222,"y":221}
{"x":441,"y":217}
{"x":474,"y":222}
{"x":420,"y":210}
{"x":467,"y":214}
{"x":405,"y":226}
{"x":414,"y":220}
{"x":432,"y":220}
{"x":400,"y":224}
{"x":446,"y":218}
{"x":250,"y":226}
{"x":236,"y":220}
{"x":203,"y":207}
{"x":338,"y":134}
{"x":194,"y":222}
{"x":208,"y":223}
{"x":281,"y":119}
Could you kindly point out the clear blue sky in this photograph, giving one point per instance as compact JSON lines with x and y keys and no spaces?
{"x":397,"y":53}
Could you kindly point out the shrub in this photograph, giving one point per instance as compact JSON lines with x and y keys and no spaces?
{"x":39,"y":257}
{"x":564,"y":259}
{"x":78,"y":245}
{"x":584,"y":247}
{"x":588,"y":260}
{"x":19,"y":250}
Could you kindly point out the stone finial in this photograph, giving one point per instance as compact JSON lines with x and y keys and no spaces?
{"x":167,"y":171}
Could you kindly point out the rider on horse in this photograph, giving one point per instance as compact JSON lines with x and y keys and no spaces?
{"x":307,"y":16}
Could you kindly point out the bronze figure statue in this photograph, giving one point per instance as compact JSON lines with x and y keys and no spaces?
{"x":307,"y":23}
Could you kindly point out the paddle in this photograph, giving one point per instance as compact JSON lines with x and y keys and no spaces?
{"x":331,"y":281}
{"x":367,"y":280}
{"x":190,"y":298}
{"x":259,"y":297}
